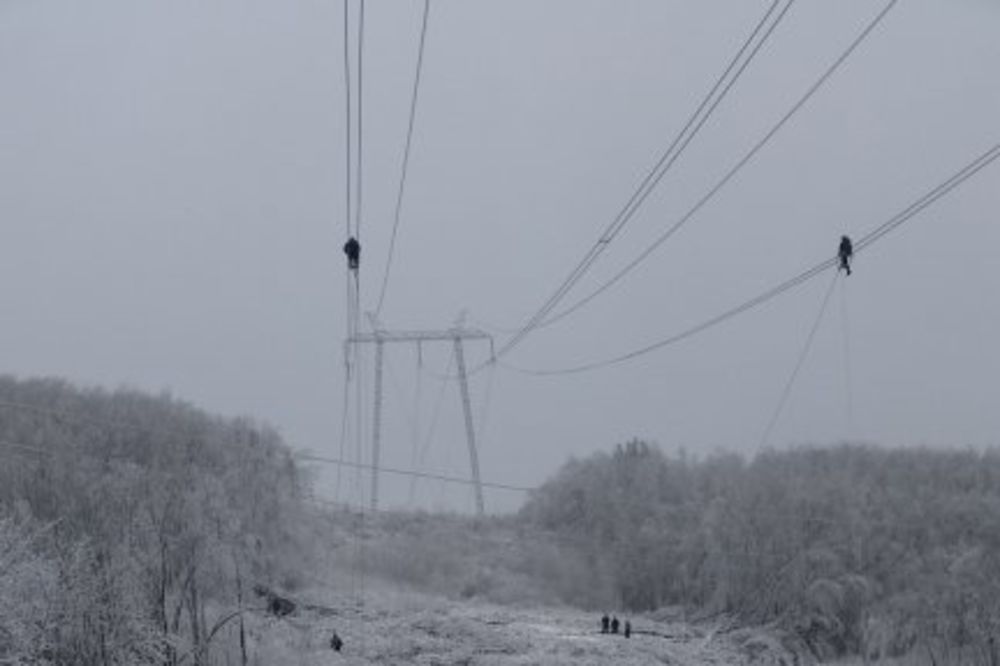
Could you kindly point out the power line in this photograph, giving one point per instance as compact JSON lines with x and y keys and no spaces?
{"x":354,"y":286}
{"x":642,"y":191}
{"x":344,"y":413}
{"x":347,"y":123}
{"x":729,"y":174}
{"x":358,"y":572}
{"x":876,"y":234}
{"x":412,"y":473}
{"x":798,"y":365}
{"x":359,"y":172}
{"x":848,"y":374}
{"x":406,"y":156}
{"x":429,"y":438}
{"x":709,"y":103}
{"x":966,"y":172}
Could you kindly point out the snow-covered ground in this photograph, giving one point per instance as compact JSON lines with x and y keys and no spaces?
{"x":392,"y":627}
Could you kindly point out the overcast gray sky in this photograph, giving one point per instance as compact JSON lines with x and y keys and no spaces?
{"x":172,"y":207}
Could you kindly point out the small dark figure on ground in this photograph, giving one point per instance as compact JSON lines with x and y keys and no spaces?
{"x":614,"y":625}
{"x":276,"y":605}
{"x":280,"y":607}
{"x":628,"y":629}
{"x":335,"y":642}
{"x":845,"y":253}
{"x":352,"y":248}
{"x":605,"y":621}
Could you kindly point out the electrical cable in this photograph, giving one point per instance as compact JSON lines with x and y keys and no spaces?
{"x":358,"y":566}
{"x":417,"y":405}
{"x":736,"y":168}
{"x":359,"y":173}
{"x":345,"y":411}
{"x":877,"y":233}
{"x":787,"y":391}
{"x":348,"y":181}
{"x":484,"y":409}
{"x":694,"y":330}
{"x":359,"y":405}
{"x":412,"y":412}
{"x":406,"y":157}
{"x":347,"y":123}
{"x":966,"y":172}
{"x":669,"y":157}
{"x":848,"y":374}
{"x":418,"y":463}
{"x":412,"y":473}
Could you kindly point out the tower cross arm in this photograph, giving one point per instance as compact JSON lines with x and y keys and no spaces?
{"x":457,"y":333}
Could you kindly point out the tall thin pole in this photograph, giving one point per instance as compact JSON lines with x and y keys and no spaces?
{"x":470,"y":431}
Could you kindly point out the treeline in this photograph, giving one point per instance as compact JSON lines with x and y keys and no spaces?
{"x":851,"y":549}
{"x":134,"y":528}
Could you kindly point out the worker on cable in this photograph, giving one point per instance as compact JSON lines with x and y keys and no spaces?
{"x":845,"y":253}
{"x":352,"y":248}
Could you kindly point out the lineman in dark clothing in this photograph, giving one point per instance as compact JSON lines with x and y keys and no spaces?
{"x":352,"y":248}
{"x":614,"y":625}
{"x":846,"y":253}
{"x":605,"y":621}
{"x":336,"y":643}
{"x":628,"y":629}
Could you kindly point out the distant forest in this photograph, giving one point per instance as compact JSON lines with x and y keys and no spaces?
{"x":140,"y":530}
{"x":852,"y":549}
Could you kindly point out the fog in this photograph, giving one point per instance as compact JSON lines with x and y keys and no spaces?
{"x":172,"y":182}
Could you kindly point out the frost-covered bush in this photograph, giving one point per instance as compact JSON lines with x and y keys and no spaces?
{"x":143,"y":523}
{"x":28,"y":586}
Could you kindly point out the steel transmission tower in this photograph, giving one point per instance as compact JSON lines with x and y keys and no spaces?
{"x":457,"y":335}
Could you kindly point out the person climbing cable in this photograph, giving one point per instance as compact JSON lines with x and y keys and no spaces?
{"x":846,"y":253}
{"x":352,"y":248}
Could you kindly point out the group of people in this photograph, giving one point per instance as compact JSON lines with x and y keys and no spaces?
{"x":611,"y":625}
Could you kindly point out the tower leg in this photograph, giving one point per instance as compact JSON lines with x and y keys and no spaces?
{"x":377,"y":425}
{"x":470,"y":432}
